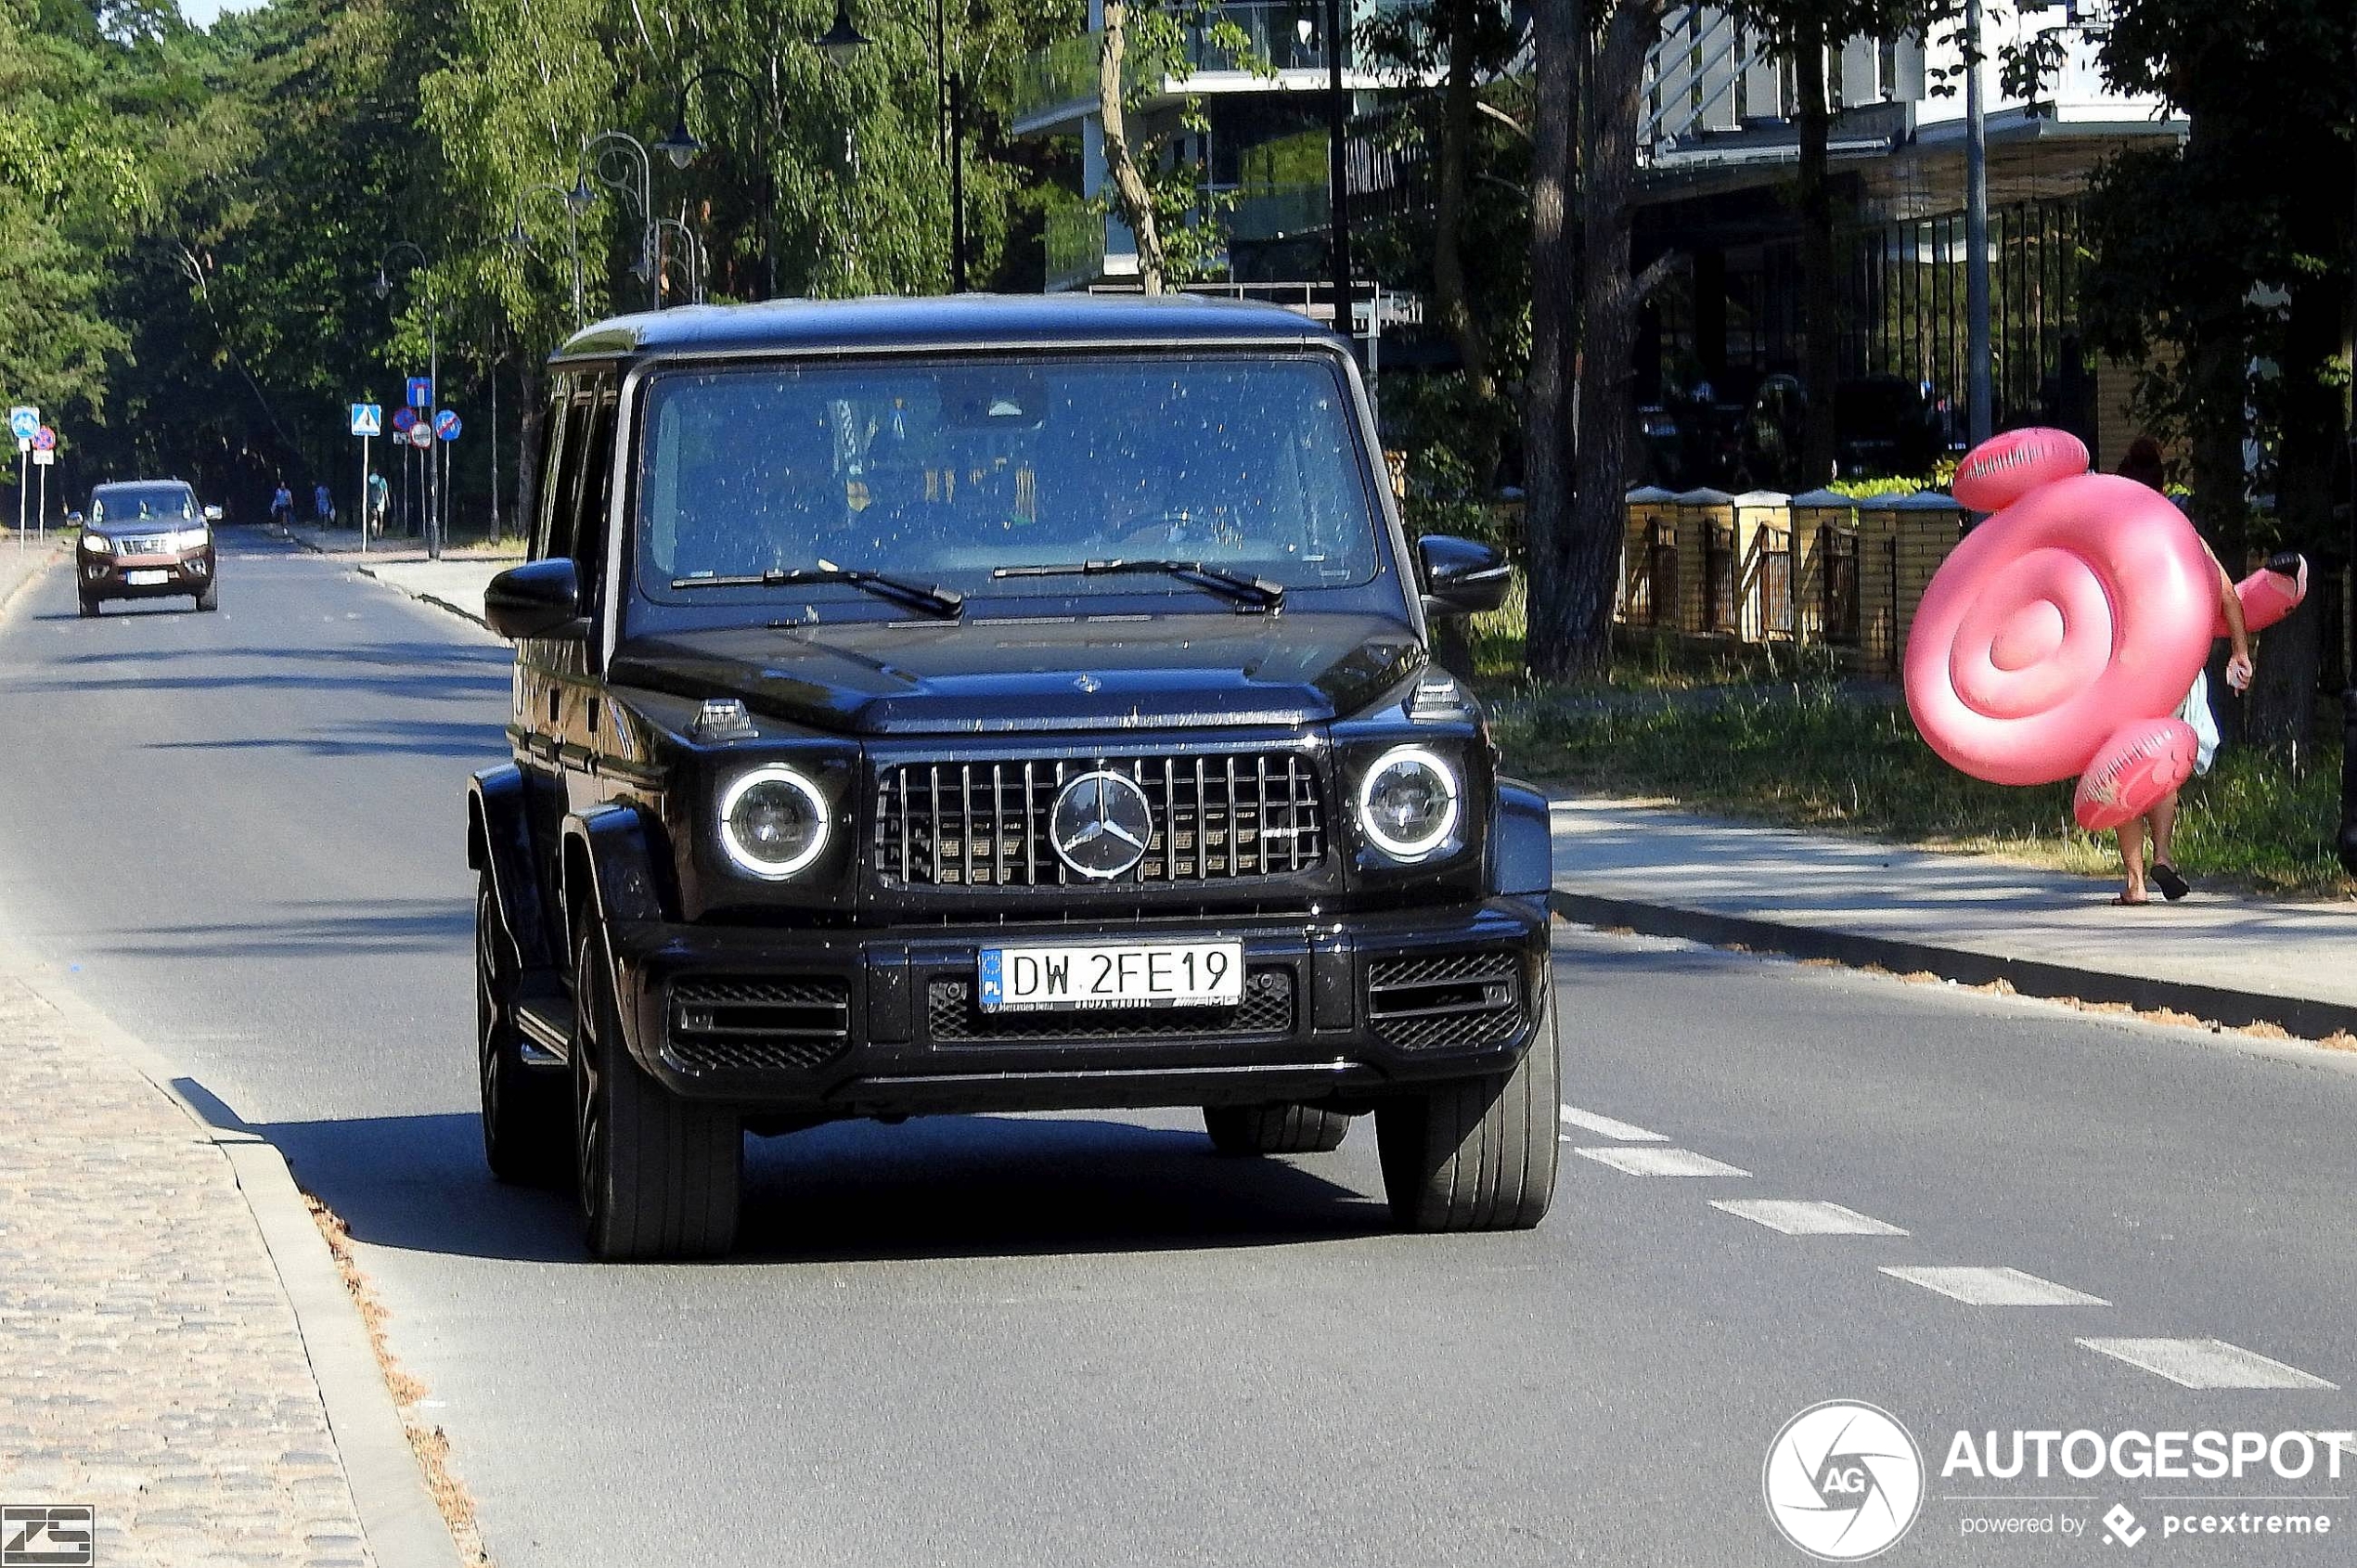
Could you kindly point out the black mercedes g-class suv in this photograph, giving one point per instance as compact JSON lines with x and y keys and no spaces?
{"x":993,"y":704}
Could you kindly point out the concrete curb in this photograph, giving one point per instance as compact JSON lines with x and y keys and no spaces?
{"x":368,"y":572}
{"x":2309,"y":1019}
{"x":38,"y":569}
{"x":398,"y":1519}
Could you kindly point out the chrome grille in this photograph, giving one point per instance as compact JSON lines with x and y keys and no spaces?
{"x":985,"y":824}
{"x":145,"y":544}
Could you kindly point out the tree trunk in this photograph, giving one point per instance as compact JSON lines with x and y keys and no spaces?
{"x":1559,"y":33}
{"x":1130,"y":191}
{"x":532,"y":428}
{"x":1820,"y":314}
{"x":1574,"y":633}
{"x":1449,"y":204}
{"x":2281,"y":709}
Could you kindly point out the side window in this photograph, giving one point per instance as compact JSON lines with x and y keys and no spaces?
{"x":552,"y":529}
{"x":595,"y":414}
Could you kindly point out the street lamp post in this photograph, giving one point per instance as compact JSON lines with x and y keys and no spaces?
{"x":1978,"y":400}
{"x":1338,"y":166}
{"x":681,"y":146}
{"x":842,"y":40}
{"x":603,"y":142}
{"x":518,"y":237}
{"x":433,"y":388}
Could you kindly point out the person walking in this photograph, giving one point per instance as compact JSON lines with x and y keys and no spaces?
{"x":379,"y":503}
{"x":282,"y":505}
{"x":2158,"y":827}
{"x":323,"y":504}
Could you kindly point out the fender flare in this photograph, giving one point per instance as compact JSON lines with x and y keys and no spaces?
{"x":499,"y":841}
{"x":610,"y":866}
{"x":1522,"y":844}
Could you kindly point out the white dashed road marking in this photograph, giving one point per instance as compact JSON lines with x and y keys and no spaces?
{"x":2206,"y":1364}
{"x":1660,"y":1162}
{"x":1995,"y":1287}
{"x":1800,"y":1216}
{"x":1605,"y":1126}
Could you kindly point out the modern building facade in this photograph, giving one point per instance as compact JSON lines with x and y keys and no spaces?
{"x":1721,"y":150}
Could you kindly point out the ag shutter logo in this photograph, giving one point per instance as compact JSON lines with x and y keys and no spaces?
{"x":1843,"y":1481}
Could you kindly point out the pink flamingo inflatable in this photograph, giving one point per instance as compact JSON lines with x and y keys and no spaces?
{"x":2061,"y":635}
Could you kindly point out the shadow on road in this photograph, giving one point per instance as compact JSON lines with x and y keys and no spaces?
{"x":943,"y":1187}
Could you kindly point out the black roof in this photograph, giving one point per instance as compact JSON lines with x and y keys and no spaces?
{"x":952,"y":321}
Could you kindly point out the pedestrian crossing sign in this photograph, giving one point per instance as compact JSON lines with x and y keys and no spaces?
{"x":368,"y":418}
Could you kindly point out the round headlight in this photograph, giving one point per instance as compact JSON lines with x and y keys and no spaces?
{"x":97,"y":544}
{"x":773,"y":822}
{"x":1407,"y":803}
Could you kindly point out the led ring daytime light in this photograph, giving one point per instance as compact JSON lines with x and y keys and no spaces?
{"x":743,"y":855}
{"x":1418,"y":759}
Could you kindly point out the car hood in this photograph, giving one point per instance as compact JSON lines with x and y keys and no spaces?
{"x":982,"y":676}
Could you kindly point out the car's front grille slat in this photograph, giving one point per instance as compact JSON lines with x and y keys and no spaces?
{"x":940,"y":824}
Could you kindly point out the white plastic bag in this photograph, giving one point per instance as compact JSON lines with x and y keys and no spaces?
{"x":2194,"y":711}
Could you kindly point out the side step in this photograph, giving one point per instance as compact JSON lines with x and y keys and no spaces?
{"x":544,"y":1017}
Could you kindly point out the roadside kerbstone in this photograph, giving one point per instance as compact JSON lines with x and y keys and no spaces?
{"x":150,"y":1363}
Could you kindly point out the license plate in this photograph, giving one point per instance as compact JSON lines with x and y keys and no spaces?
{"x":146,"y":579}
{"x":1129,"y":974}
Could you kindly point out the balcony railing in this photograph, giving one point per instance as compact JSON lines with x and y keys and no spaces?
{"x":1279,"y":34}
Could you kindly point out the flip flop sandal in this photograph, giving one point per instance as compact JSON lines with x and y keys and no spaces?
{"x":2128,"y":902}
{"x":2173,"y":886}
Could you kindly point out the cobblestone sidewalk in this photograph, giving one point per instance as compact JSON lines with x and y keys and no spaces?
{"x":150,"y":1363}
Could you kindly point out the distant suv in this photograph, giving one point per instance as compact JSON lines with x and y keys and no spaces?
{"x":145,"y":538}
{"x":990,"y":705}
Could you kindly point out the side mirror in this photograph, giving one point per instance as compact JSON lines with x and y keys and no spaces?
{"x":212,"y":514}
{"x":540,"y":598}
{"x":1461,"y":576}
{"x":74,"y":517}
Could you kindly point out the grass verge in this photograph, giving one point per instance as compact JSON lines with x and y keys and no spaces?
{"x":1815,"y":752}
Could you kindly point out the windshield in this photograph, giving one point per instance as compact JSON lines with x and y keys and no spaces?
{"x":946,"y":471}
{"x":130,"y":503}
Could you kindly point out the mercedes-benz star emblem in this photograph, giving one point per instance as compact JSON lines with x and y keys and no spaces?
{"x":1087,"y":682}
{"x":1101,"y":825}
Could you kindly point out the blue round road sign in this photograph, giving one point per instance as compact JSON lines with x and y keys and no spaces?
{"x":446,"y":425}
{"x":403,"y":418}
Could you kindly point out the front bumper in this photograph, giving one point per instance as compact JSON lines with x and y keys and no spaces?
{"x":113,"y":576}
{"x":883,"y":1023}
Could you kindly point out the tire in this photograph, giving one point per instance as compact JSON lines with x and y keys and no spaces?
{"x":89,"y":607}
{"x":526,"y":1113}
{"x":1477,"y":1154}
{"x":659,"y":1176}
{"x":210,"y":597}
{"x":1280,"y":1128}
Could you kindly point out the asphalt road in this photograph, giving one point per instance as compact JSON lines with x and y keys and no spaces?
{"x":1086,"y":1339}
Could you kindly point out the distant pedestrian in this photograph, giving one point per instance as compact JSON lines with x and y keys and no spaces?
{"x":282,"y":505}
{"x":2143,"y":463}
{"x":379,"y":502}
{"x":323,"y":504}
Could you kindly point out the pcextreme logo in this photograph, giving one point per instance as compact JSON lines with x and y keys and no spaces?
{"x":1843,"y":1481}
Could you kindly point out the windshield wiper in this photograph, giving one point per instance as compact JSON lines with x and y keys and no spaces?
{"x":1257,"y":592}
{"x":927,"y":596}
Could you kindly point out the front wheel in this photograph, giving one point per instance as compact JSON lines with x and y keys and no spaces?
{"x":209,"y":596}
{"x":1274,"y":1129}
{"x":660,"y":1177}
{"x":1477,"y":1154}
{"x":89,"y":607}
{"x":525,"y":1110}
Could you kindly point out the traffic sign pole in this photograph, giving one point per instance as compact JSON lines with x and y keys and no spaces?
{"x":24,"y":485}
{"x":41,"y":517}
{"x":364,"y":495}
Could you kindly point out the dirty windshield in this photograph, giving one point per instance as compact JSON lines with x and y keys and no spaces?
{"x":950,"y":472}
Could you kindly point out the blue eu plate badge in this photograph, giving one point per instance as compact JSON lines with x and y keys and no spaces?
{"x":992,"y":990}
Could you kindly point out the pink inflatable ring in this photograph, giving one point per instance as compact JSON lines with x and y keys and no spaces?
{"x":2003,"y":468}
{"x":2080,"y":607}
